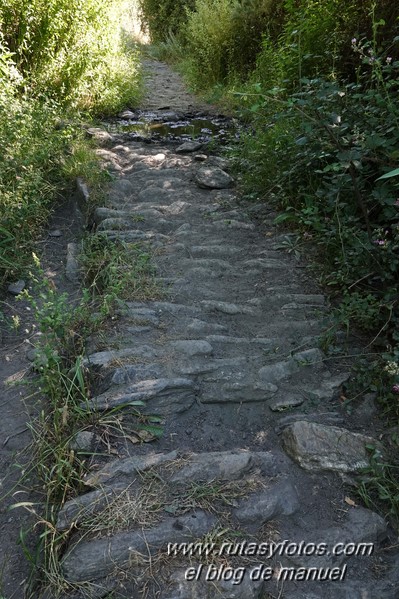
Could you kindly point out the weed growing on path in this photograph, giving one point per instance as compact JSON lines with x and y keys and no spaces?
{"x":116,"y":269}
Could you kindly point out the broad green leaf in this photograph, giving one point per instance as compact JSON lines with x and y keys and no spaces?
{"x":394,"y":173}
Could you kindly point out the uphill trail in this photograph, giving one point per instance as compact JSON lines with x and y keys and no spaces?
{"x":256,"y":448}
{"x":257,"y":458}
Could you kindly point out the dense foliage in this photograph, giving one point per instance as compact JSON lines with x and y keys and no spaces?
{"x":70,"y":50}
{"x":55,"y":56}
{"x":162,"y":19}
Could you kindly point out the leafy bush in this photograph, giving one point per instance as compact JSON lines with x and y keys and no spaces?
{"x":309,"y":39}
{"x":165,"y":17}
{"x":209,"y":35}
{"x":251,"y":22}
{"x":34,"y":147}
{"x":70,"y":50}
{"x":54,"y":56}
{"x":323,"y":153}
{"x":223,"y":39}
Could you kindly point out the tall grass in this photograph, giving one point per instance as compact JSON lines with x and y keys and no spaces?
{"x":71,"y":50}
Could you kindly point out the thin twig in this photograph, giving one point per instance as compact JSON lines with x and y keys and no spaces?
{"x":6,"y":440}
{"x":383,"y":327}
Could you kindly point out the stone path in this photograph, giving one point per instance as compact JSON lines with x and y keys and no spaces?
{"x":253,"y":438}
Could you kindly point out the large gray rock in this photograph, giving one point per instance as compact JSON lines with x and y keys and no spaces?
{"x":203,"y":327}
{"x":226,"y":307}
{"x":83,"y":194}
{"x":277,"y":500}
{"x":192,"y":347}
{"x":104,"y":359}
{"x":84,"y":441}
{"x":122,"y":186}
{"x":319,"y":447}
{"x":231,"y":223}
{"x":328,"y":389}
{"x":101,"y":213}
{"x":131,"y":373}
{"x":143,"y":315}
{"x":287,"y":401}
{"x":72,"y":270}
{"x":329,"y":418}
{"x":101,"y":137}
{"x":212,"y":177}
{"x":83,"y":508}
{"x":89,"y":560}
{"x":236,"y":391}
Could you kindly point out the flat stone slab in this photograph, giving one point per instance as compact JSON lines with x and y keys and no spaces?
{"x":89,"y":560}
{"x":226,"y":307}
{"x":273,"y":373}
{"x":167,"y":396}
{"x":101,"y":214}
{"x":189,"y":146}
{"x":286,"y":402}
{"x":102,"y":138}
{"x":318,"y":447}
{"x":223,"y":465}
{"x":191,"y":348}
{"x":359,"y":526}
{"x":74,"y":511}
{"x":104,"y":359}
{"x":213,"y":177}
{"x":127,"y":468}
{"x":328,"y":389}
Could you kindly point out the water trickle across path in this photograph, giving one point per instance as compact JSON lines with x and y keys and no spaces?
{"x":229,"y":361}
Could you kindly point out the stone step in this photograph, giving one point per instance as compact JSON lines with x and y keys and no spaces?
{"x":154,"y":396}
{"x":90,"y":560}
{"x":309,"y":358}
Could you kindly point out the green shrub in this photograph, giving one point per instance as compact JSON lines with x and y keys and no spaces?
{"x":251,"y":22}
{"x":313,"y":39}
{"x":322,"y":153}
{"x":31,"y":164}
{"x":164,"y":17}
{"x":209,"y":35}
{"x":55,"y":56}
{"x":223,"y":39}
{"x":70,"y":50}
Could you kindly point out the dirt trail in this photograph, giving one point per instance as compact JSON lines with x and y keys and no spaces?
{"x":165,"y":91}
{"x":256,"y":445}
{"x":20,"y":402}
